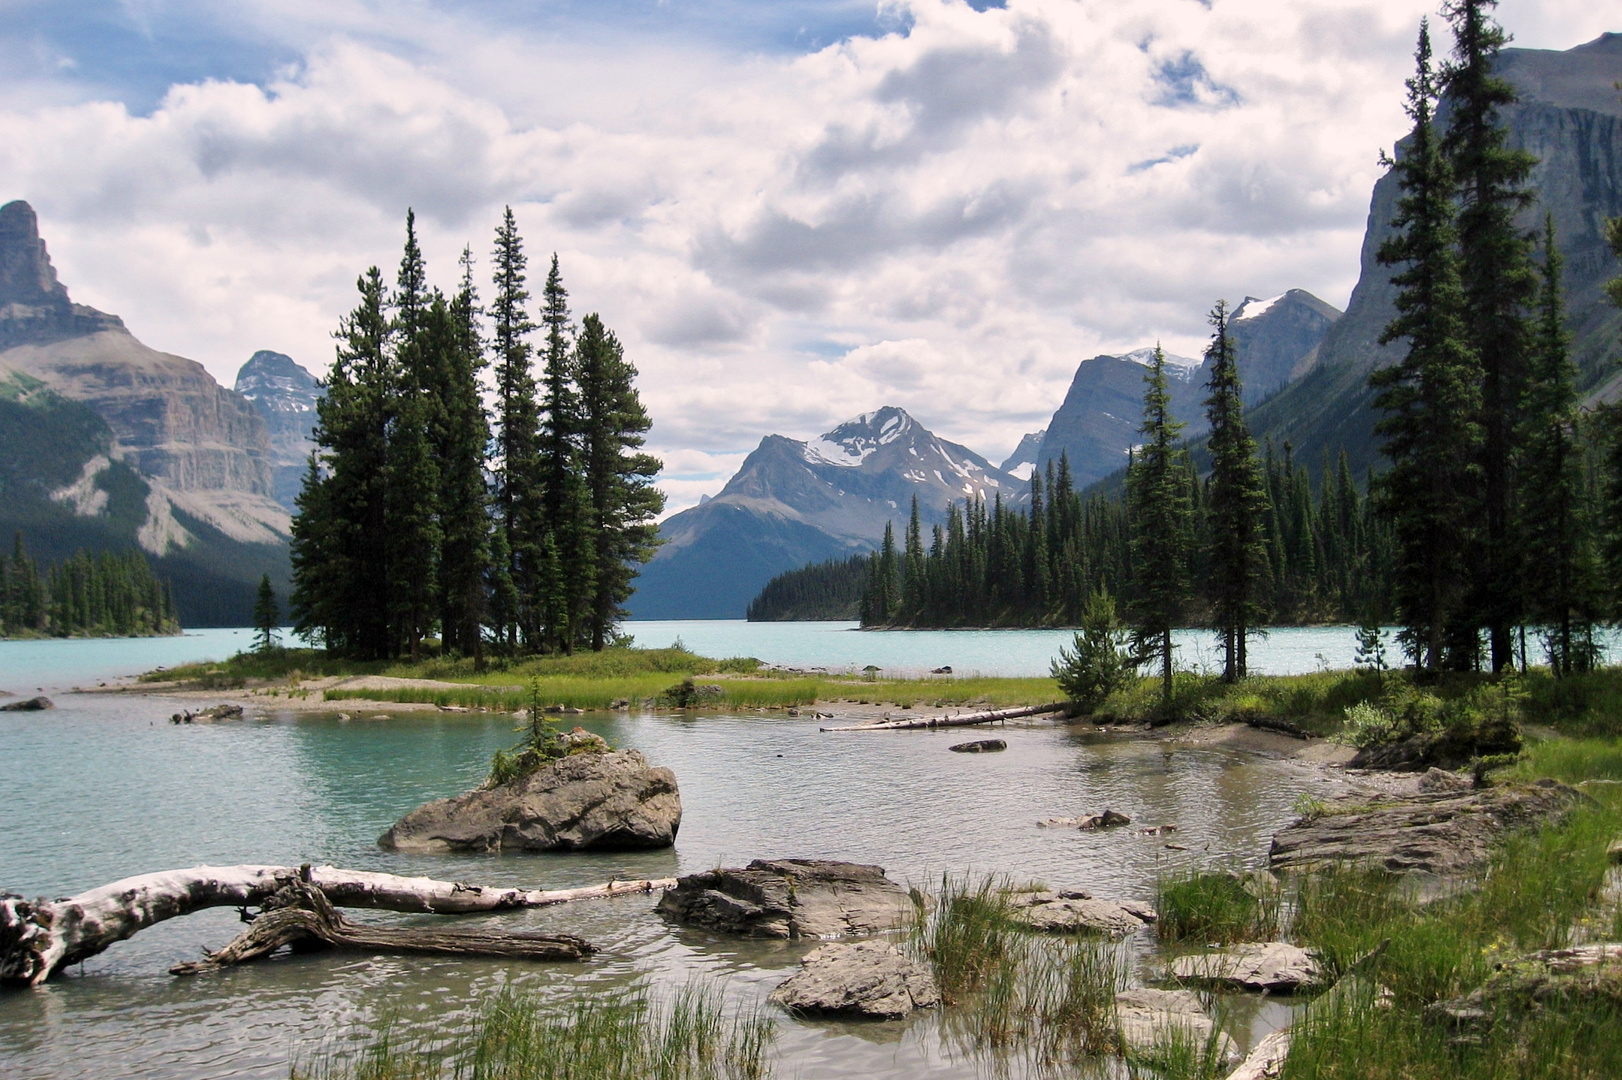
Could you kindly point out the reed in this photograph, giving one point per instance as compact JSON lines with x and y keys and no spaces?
{"x":1215,"y":907}
{"x":517,"y":1037}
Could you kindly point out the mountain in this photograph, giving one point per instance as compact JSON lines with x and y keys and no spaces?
{"x":1098,"y":420}
{"x":1274,"y":340}
{"x":1023,"y":459}
{"x":285,"y":396}
{"x":1570,"y":118}
{"x":113,"y":444}
{"x":794,"y":503}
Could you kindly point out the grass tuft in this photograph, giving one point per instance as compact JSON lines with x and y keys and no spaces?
{"x":1216,"y":907}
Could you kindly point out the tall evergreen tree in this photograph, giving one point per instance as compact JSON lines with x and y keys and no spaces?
{"x":267,"y":617}
{"x":618,"y":475}
{"x":1237,"y":507}
{"x":1158,"y":509}
{"x":341,"y":584}
{"x":1560,"y":573}
{"x":558,"y":464}
{"x":1499,"y":284}
{"x":1610,"y":425}
{"x":1430,"y":399}
{"x":461,"y":441}
{"x":517,"y":466}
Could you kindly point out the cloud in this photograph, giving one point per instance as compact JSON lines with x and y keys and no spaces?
{"x":929,"y":203}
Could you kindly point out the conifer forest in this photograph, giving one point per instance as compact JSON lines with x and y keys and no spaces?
{"x":109,"y":594}
{"x":514,"y":525}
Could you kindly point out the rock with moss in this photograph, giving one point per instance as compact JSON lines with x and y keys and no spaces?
{"x":1532,"y":982}
{"x":589,"y":800}
{"x":861,"y":979}
{"x":790,"y":898}
{"x":1439,"y":832}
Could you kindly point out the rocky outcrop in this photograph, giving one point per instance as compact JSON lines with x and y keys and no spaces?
{"x":790,"y":898}
{"x":583,"y":802}
{"x":1444,"y":832}
{"x":1273,"y":966}
{"x":1075,"y":911}
{"x":1151,"y":1019}
{"x":34,"y":306}
{"x":1434,"y":752}
{"x":865,"y":979}
{"x":34,"y":704}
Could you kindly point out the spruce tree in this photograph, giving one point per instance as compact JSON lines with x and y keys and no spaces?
{"x":1237,"y":509}
{"x":558,"y":462}
{"x":624,"y":502}
{"x":1158,"y":506}
{"x":517,"y":466}
{"x":1559,"y":574}
{"x":460,"y":443}
{"x":1430,"y":399}
{"x":1610,"y":426}
{"x":1499,"y":283}
{"x":267,"y":617}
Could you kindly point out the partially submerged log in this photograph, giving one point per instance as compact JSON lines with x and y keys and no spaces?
{"x":989,"y":716}
{"x":39,"y":938}
{"x":299,"y":915}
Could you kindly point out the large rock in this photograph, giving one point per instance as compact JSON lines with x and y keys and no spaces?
{"x":1533,"y":981}
{"x":1151,"y":1019}
{"x":1442,"y":832}
{"x":1073,"y":911}
{"x":868,"y":979}
{"x":790,"y":898}
{"x":586,"y":801}
{"x":1275,"y":966}
{"x":34,"y":704}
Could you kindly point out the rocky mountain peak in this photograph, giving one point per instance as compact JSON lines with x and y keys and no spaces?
{"x":1023,"y":460}
{"x":34,"y":306}
{"x":857,"y":439}
{"x":26,"y":274}
{"x":286,"y":396}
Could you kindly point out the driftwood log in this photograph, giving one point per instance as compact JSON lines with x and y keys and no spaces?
{"x":41,"y":937}
{"x":299,"y":915}
{"x":917,"y":723}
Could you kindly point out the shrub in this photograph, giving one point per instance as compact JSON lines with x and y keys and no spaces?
{"x":1099,"y":663}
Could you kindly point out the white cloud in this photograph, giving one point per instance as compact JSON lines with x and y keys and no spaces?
{"x":967,"y":208}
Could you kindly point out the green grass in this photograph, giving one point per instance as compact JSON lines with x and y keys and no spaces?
{"x":603,"y":1037}
{"x":1315,"y":702}
{"x":1215,"y":907}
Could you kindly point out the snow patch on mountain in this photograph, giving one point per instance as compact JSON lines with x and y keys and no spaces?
{"x":1253,"y":308}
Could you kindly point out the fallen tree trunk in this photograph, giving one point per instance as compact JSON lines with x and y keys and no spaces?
{"x":962,"y":720}
{"x":301,"y":916}
{"x":39,"y":938}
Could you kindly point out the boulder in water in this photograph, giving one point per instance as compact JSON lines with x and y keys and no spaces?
{"x":586,"y":801}
{"x":33,"y":704}
{"x":979,"y":746}
{"x":1151,"y":1019}
{"x":864,"y":979}
{"x":790,"y":898}
{"x":1074,"y":911}
{"x":1275,"y":966}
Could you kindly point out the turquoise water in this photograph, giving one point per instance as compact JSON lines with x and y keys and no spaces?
{"x":102,"y":787}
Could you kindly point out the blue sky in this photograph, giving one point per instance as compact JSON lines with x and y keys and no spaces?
{"x":791,"y":212}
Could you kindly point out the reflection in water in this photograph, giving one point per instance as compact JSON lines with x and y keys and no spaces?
{"x":111,"y":789}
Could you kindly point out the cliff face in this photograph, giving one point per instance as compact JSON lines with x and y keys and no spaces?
{"x":204,"y":448}
{"x":1570,"y":117}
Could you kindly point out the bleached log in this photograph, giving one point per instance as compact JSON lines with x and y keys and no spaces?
{"x":990,"y":716}
{"x":40,"y":937}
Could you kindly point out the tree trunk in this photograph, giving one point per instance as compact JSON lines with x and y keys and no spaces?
{"x":963,"y":720}
{"x":39,"y":938}
{"x":300,"y":915}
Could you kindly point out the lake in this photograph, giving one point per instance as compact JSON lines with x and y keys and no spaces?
{"x":103,"y":787}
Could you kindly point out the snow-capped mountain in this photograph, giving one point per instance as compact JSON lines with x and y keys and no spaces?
{"x":796,"y":501}
{"x":1023,"y":459}
{"x":286,"y":395}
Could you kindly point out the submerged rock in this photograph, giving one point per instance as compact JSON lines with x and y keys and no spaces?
{"x":1443,"y":833}
{"x":869,"y":979}
{"x":1109,"y":819}
{"x":789,"y":898}
{"x":1151,"y":1019}
{"x":33,"y":704}
{"x":979,"y":746}
{"x":586,"y":801}
{"x":1074,"y":911}
{"x":1275,"y":966}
